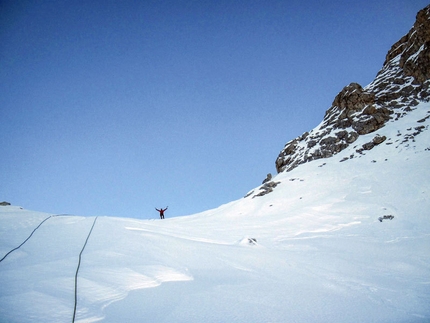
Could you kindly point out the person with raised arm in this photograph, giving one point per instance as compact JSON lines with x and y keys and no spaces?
{"x":161,"y":211}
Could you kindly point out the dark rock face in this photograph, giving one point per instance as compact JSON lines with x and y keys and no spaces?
{"x":267,"y":179}
{"x":414,"y":49}
{"x":399,"y":86}
{"x":266,"y":188}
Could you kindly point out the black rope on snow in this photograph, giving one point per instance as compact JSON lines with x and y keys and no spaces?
{"x":77,"y":269}
{"x":51,"y":216}
{"x":27,"y":238}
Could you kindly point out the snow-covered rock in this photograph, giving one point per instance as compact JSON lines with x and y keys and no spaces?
{"x":399,"y":86}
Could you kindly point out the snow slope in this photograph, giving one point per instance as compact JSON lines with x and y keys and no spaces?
{"x":313,"y":250}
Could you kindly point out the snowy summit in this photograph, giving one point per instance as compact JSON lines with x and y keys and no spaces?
{"x":340,"y":234}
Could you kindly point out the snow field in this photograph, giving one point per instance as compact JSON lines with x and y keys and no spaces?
{"x":319,"y":252}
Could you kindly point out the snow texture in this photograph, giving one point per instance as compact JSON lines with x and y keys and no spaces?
{"x":313,"y":250}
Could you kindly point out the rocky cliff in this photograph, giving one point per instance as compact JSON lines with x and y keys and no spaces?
{"x":399,"y":86}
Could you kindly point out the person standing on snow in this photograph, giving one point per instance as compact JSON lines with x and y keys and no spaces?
{"x":162,"y":212}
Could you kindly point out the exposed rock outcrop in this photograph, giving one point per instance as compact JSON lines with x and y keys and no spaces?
{"x":267,"y":179}
{"x":403,"y":81}
{"x":266,"y":188}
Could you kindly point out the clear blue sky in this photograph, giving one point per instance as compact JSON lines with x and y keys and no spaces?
{"x":117,"y":107}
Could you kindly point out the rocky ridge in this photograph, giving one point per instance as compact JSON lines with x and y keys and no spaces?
{"x":399,"y":86}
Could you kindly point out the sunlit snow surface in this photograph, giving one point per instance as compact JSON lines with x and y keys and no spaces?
{"x":313,"y":250}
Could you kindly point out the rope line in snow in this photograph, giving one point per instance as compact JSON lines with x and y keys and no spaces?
{"x":51,"y":216}
{"x":27,"y":238}
{"x":77,"y":270}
